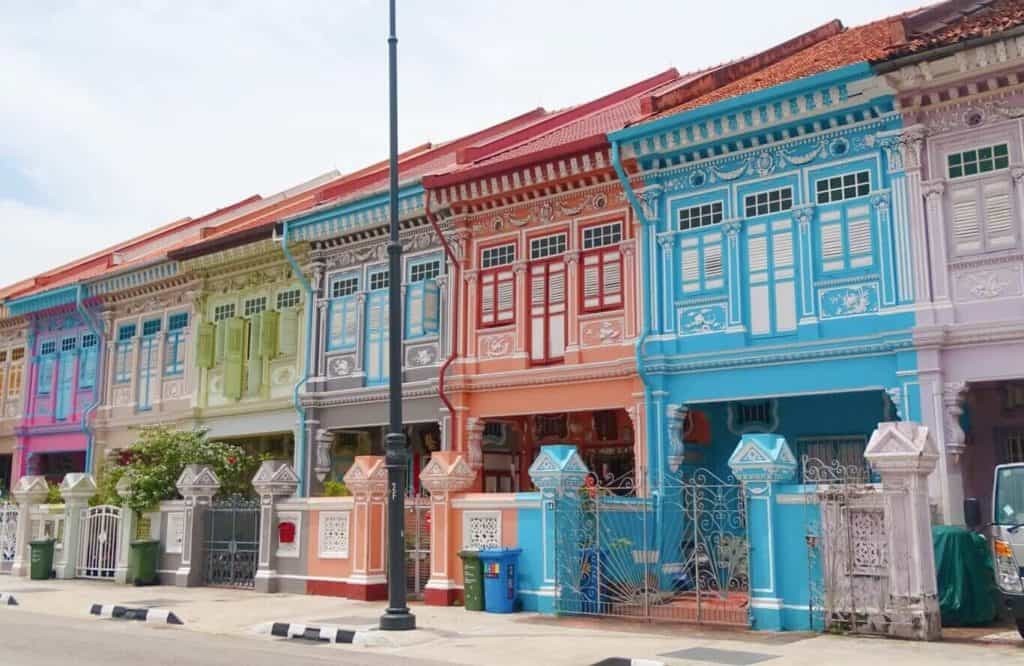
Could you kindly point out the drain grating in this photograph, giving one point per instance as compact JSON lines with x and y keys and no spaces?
{"x":724,"y":657}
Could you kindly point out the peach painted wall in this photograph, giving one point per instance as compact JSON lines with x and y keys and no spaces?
{"x":509,"y":524}
{"x":328,"y":568}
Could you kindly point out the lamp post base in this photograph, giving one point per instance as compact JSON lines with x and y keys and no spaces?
{"x":401,"y":620}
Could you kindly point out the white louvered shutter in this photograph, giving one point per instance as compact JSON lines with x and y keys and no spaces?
{"x":965,"y":222}
{"x":996,"y":199}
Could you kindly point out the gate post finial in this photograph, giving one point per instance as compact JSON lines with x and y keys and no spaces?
{"x":904,"y":454}
{"x":28,"y":492}
{"x":274,"y":480}
{"x":197,"y":485}
{"x":76,"y":489}
{"x":763,"y":461}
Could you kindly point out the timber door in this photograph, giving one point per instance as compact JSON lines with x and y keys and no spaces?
{"x":232,"y":543}
{"x":65,"y":378}
{"x":547,"y":312}
{"x":149,"y":372}
{"x":772,"y":277}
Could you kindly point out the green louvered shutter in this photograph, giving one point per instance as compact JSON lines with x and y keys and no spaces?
{"x":206,"y":345}
{"x":220,"y":329}
{"x":268,"y":336}
{"x":234,"y":356}
{"x":288,"y":340}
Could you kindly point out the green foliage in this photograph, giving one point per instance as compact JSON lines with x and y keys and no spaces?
{"x":106,"y":487}
{"x":53,"y":494}
{"x":336,"y":489}
{"x":160,"y":454}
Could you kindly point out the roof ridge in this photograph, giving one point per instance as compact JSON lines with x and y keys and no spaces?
{"x":558,"y":120}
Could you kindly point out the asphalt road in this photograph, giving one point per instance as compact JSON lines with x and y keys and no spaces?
{"x":29,"y":639}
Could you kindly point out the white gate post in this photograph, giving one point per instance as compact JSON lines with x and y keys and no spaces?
{"x":197,"y":485}
{"x":28,"y":492}
{"x":76,"y":489}
{"x":904,"y":454}
{"x":274,"y":479}
{"x":128,"y":523}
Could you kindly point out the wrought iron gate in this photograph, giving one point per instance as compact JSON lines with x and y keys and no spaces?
{"x":417,"y":545}
{"x":677,"y":555}
{"x":232,"y":542}
{"x":100,"y":542}
{"x":8,"y":534}
{"x":848,"y":548}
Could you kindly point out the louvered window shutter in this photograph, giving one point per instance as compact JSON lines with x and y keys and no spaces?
{"x":712,"y":263}
{"x":506,"y":302}
{"x":414,"y":310}
{"x":996,"y":200}
{"x":431,"y":306}
{"x":592,"y":282}
{"x":45,"y":379}
{"x":234,"y":356}
{"x":760,"y":300}
{"x":205,"y":344}
{"x":832,"y":254}
{"x":288,"y":337}
{"x":691,"y":266}
{"x":784,"y":273}
{"x":966,"y":226}
{"x":220,"y":332}
{"x":612,"y":278}
{"x":268,"y":334}
{"x":65,"y":376}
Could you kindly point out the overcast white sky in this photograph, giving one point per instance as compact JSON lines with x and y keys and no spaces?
{"x":116,"y":117}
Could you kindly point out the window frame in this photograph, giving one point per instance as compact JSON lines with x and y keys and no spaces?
{"x":506,"y":251}
{"x":783,"y":200}
{"x":962,"y":163}
{"x":227,"y":309}
{"x":350,"y":302}
{"x":45,"y":357}
{"x":601,"y":252}
{"x":839,"y":194}
{"x":712,"y":203}
{"x":287,"y":304}
{"x":122,"y":352}
{"x":260,"y":301}
{"x":174,"y":359}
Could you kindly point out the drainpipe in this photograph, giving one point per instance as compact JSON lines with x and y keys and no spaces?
{"x":453,"y":324}
{"x":300,"y":442}
{"x":645,"y":225}
{"x":97,"y":382}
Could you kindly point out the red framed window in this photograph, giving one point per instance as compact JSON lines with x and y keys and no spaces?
{"x":601,"y":280}
{"x":548,"y":302}
{"x":497,"y":285}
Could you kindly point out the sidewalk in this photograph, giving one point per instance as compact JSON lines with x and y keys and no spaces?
{"x":456,"y":636}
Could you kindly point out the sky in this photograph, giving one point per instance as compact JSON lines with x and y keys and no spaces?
{"x":120,"y":116}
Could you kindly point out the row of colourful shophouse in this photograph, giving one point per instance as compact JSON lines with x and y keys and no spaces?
{"x":602,"y":306}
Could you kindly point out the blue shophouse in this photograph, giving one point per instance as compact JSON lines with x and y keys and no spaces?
{"x":777,"y":259}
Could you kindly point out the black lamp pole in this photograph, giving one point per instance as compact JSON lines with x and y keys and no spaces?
{"x":397,"y":616}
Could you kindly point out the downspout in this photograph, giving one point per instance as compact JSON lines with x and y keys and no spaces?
{"x":97,"y":382}
{"x":644,"y":333}
{"x":453,"y":324}
{"x":300,"y":442}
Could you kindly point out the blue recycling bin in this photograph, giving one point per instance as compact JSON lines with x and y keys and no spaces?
{"x":501,"y":579}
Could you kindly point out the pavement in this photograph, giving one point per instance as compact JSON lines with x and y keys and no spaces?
{"x":237,"y":622}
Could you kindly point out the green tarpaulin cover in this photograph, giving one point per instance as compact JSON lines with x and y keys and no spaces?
{"x":963,"y":564}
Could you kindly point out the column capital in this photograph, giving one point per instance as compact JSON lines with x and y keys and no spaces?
{"x":558,"y":470}
{"x":77,"y":488}
{"x":446,"y":473}
{"x":803,"y":215}
{"x":470,"y":275}
{"x":731,"y":228}
{"x":900,"y":448}
{"x":763,"y":457}
{"x":1017,"y":173}
{"x":367,"y":478}
{"x":880,"y":201}
{"x":933,"y":189}
{"x":198,"y":481}
{"x":275,"y":478}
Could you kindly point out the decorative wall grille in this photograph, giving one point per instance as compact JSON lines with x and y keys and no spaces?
{"x":481,"y":529}
{"x":333,"y":534}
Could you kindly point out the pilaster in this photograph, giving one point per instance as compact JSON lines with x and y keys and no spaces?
{"x":76,"y":489}
{"x":447,"y":474}
{"x":367,"y":479}
{"x":197,"y":484}
{"x":274,"y":480}
{"x":28,"y":492}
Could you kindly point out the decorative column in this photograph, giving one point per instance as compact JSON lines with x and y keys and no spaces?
{"x":197,"y":485}
{"x":953,"y":445}
{"x":522,"y":296}
{"x":629,"y":288}
{"x":469,"y":308}
{"x":934,"y":192}
{"x":762,"y":462}
{"x":1017,"y":174}
{"x":904,"y":454}
{"x":324,"y":444}
{"x":803,"y":216}
{"x":128,"y":524}
{"x":734,"y":281}
{"x":559,"y":473}
{"x":28,"y":492}
{"x":474,"y":442}
{"x":667,"y":242}
{"x":880,"y":202}
{"x":368,"y":480}
{"x":274,"y":480}
{"x":674,"y":418}
{"x":446,"y":474}
{"x":76,"y":489}
{"x":910,"y":239}
{"x":572,"y":343}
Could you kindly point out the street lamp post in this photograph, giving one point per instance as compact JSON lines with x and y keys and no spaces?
{"x":397,"y":616}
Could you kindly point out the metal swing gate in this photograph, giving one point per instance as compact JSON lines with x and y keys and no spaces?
{"x":100,"y":542}
{"x":8,"y":535}
{"x":417,"y":544}
{"x":232,"y":542}
{"x":680,"y":555}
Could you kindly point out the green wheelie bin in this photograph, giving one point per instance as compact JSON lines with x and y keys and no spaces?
{"x":472,"y":580}
{"x":42,"y":558}
{"x":142,"y":562}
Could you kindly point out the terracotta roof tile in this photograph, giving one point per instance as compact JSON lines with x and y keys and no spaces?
{"x":956,"y":21}
{"x":853,"y":45}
